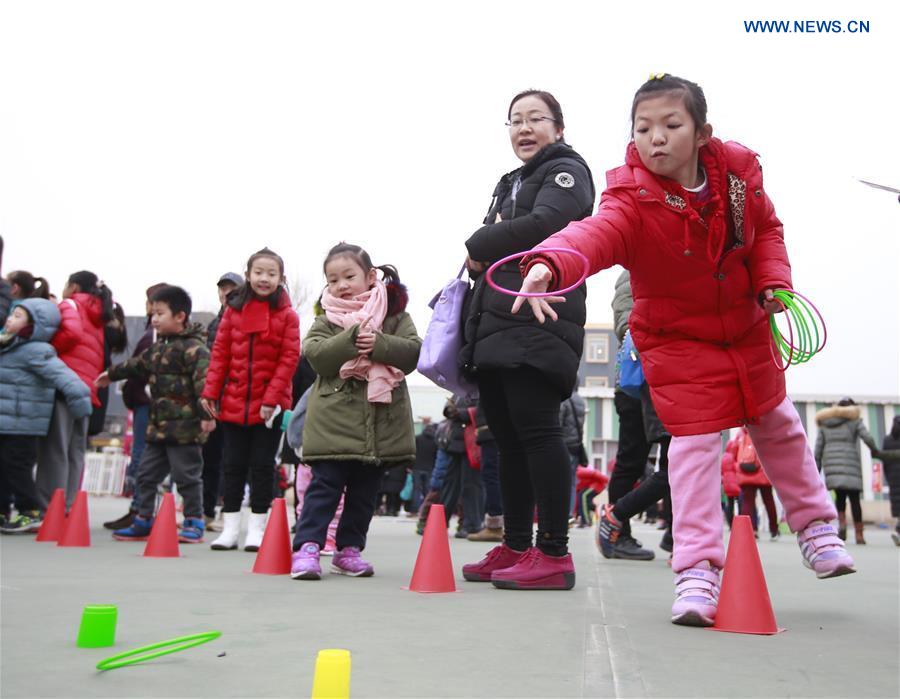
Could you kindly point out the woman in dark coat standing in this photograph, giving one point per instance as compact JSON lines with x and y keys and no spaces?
{"x":525,"y":369}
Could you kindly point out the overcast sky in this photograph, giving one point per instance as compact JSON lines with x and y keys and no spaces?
{"x":166,"y":141}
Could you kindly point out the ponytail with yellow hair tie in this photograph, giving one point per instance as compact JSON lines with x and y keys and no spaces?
{"x":656,"y":76}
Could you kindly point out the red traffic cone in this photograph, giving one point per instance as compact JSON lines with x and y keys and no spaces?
{"x":274,"y":555}
{"x":163,"y":541}
{"x":54,"y":523}
{"x":434,"y":569}
{"x":78,"y":524}
{"x":744,"y":604}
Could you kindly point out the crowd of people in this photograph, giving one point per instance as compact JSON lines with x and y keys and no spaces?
{"x":688,"y":218}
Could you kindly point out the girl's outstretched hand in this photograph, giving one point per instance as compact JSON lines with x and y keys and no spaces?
{"x":536,"y":282}
{"x":102,"y":381}
{"x":771,"y":304}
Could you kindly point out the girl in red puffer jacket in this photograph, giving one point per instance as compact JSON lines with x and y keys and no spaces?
{"x":688,"y":216}
{"x":253,"y":360}
{"x":86,"y":308}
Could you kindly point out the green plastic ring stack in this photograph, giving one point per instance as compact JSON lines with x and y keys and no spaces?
{"x":804,"y":339}
{"x":139,"y":655}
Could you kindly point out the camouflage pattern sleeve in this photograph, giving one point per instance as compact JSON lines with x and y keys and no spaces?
{"x":197,"y":361}
{"x":135,"y":368}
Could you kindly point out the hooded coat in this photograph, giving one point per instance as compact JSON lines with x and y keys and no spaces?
{"x":254,"y":358}
{"x":837,"y":446}
{"x":697,"y":320}
{"x":174,"y":368}
{"x":31,"y":374}
{"x":532,"y":202}
{"x":79,"y":340}
{"x":341,"y":424}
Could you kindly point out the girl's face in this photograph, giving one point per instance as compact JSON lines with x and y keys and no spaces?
{"x":531,"y":127}
{"x":667,"y":138}
{"x":346,"y":278}
{"x":17,"y":321}
{"x":264,"y":276}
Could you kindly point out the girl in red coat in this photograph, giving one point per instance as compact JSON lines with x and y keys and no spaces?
{"x":751,"y":477}
{"x":688,"y":216}
{"x":253,"y":361}
{"x":86,"y":308}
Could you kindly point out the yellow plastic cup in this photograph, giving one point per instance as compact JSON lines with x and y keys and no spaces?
{"x":98,"y":626}
{"x":332,"y":680}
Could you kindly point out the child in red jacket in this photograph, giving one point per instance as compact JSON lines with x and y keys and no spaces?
{"x":730,"y":486}
{"x":253,"y":360}
{"x":688,"y":216}
{"x":87,"y":306}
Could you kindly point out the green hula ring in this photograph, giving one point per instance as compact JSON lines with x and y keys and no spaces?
{"x":139,"y":655}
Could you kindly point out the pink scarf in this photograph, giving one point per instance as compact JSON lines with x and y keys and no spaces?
{"x":367,"y":309}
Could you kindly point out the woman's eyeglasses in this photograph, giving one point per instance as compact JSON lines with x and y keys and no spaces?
{"x":518,"y":123}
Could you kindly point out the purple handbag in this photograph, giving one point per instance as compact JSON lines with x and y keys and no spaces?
{"x":439,"y":356}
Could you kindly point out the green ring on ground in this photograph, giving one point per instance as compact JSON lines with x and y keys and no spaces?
{"x":138,"y":654}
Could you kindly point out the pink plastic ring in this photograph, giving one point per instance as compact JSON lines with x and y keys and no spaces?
{"x":543,"y":294}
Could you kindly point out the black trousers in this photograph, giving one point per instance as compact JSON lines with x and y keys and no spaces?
{"x":249,"y":451}
{"x":329,"y":480}
{"x":649,"y":492}
{"x":212,"y":470}
{"x":892,"y":474}
{"x":18,"y":455}
{"x":840,"y":502}
{"x":522,"y":410}
{"x":632,"y":453}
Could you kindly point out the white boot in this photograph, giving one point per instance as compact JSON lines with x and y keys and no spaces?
{"x":231,"y":527}
{"x":255,"y":530}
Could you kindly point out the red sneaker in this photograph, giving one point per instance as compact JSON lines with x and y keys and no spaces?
{"x":537,"y":571}
{"x":499,"y":557}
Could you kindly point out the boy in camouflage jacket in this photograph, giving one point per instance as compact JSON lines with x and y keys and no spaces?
{"x":175,"y":370}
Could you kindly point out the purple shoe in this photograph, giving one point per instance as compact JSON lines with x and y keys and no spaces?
{"x":347,"y":561}
{"x":696,"y":596}
{"x":305,"y":563}
{"x":823,"y":552}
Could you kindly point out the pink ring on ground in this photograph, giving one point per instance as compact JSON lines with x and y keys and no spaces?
{"x":537,"y":295}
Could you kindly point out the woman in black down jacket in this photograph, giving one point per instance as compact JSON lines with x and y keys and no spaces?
{"x":525,"y":369}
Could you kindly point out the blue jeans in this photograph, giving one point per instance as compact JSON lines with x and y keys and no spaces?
{"x":139,"y":422}
{"x":490,"y":477}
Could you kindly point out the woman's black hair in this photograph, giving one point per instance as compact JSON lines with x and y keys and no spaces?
{"x":239,"y":297}
{"x":691,"y":93}
{"x":847,"y":400}
{"x":89,"y":283}
{"x":548,"y":99}
{"x":32,"y":287}
{"x":116,"y":332}
{"x":361,"y":257}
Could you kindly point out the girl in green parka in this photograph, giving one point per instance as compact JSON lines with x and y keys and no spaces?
{"x":359,"y":418}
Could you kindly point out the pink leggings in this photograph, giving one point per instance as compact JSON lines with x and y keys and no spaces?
{"x":695,"y":481}
{"x":302,"y":480}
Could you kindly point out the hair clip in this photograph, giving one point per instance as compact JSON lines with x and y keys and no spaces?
{"x":656,"y":76}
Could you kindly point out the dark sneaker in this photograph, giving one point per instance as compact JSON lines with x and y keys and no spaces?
{"x":461,"y":534}
{"x":420,"y":527}
{"x":497,"y":558}
{"x":667,"y":544}
{"x":138,"y":531}
{"x":608,"y":530}
{"x":121,"y":523}
{"x":23,"y":523}
{"x":192,"y":530}
{"x":537,"y":571}
{"x":629,"y":549}
{"x":895,"y":535}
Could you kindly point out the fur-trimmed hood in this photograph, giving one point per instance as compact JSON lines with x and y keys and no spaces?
{"x":837,"y":414}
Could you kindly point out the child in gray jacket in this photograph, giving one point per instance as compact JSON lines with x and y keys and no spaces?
{"x":30,"y":376}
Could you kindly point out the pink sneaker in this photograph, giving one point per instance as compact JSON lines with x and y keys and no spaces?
{"x":497,"y":558}
{"x":696,"y":596}
{"x":535,"y":570}
{"x":823,"y":552}
{"x":305,"y":563}
{"x":347,"y":561}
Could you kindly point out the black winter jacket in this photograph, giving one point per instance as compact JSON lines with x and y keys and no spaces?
{"x":551,"y":190}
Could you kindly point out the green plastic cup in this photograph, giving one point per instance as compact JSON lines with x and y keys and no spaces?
{"x":98,"y":626}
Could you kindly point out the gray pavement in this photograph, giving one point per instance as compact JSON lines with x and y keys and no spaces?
{"x":608,"y":637}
